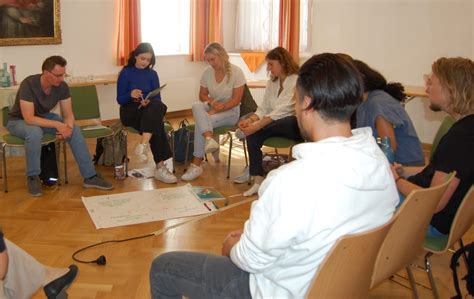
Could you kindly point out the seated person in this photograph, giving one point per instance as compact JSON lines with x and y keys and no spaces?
{"x":382,"y":111}
{"x":222,"y":86}
{"x":275,"y":117}
{"x":302,"y":209}
{"x":450,"y":88}
{"x":135,"y":81}
{"x":21,"y":275}
{"x":31,"y":117}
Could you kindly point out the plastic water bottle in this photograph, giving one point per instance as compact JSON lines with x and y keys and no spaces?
{"x":386,"y":147}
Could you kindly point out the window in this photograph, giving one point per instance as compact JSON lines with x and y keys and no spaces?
{"x":165,"y":24}
{"x":257,"y":25}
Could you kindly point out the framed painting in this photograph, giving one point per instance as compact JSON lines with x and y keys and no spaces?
{"x":29,"y":22}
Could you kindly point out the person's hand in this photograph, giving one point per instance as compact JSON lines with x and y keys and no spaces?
{"x":145,"y":103}
{"x":136,"y":94}
{"x":244,"y":123}
{"x":251,"y":128}
{"x":397,"y":170}
{"x":218,"y":106}
{"x":229,"y":242}
{"x":64,"y":130}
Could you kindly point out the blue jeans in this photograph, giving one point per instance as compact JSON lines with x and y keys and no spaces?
{"x":432,"y":232}
{"x":33,"y":136}
{"x":197,"y":275}
{"x":207,"y":123}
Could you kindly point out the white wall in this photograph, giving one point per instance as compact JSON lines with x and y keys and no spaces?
{"x":400,"y":38}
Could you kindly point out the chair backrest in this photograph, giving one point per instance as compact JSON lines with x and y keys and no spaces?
{"x":446,"y":124}
{"x":408,"y":231}
{"x":85,"y":102}
{"x":5,"y":111}
{"x":247,"y":104}
{"x":348,"y":266}
{"x":463,"y":219}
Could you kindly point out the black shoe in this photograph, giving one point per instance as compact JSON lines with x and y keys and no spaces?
{"x":57,"y":288}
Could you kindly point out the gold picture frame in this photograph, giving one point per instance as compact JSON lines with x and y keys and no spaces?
{"x":29,"y":22}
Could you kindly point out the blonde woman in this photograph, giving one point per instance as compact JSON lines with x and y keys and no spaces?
{"x":222,"y":85}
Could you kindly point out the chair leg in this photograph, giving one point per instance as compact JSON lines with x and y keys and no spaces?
{"x":65,"y":162}
{"x":187,"y":150}
{"x":464,"y":255}
{"x":4,"y":156}
{"x":171,"y":138}
{"x":114,"y":163}
{"x":411,"y":278}
{"x":430,"y":275}
{"x":230,"y":154}
{"x":57,"y":146}
{"x":125,"y":162}
{"x":244,"y":144}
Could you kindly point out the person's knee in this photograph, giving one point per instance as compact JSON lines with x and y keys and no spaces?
{"x":34,"y":135}
{"x":161,"y":262}
{"x":198,"y":107}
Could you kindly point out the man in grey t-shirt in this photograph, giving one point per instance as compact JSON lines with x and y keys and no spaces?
{"x":31,"y":117}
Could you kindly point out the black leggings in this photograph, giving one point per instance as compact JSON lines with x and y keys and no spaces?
{"x":149,"y":120}
{"x":286,"y":127}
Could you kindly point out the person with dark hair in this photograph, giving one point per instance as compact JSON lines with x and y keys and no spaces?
{"x":339,"y":183}
{"x":220,"y":93}
{"x":31,"y":117}
{"x":275,"y":117}
{"x":450,"y":88}
{"x":383,"y":112}
{"x":135,"y":81}
{"x":21,"y":275}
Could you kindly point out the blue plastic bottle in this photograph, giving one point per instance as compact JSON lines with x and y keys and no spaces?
{"x":386,"y":147}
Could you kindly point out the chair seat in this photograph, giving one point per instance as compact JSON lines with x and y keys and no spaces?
{"x":97,"y":133}
{"x":436,"y":244}
{"x":279,"y":142}
{"x":223,"y":130}
{"x":168,"y":128}
{"x":12,"y":140}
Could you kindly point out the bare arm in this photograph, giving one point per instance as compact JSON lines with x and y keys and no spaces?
{"x":3,"y":264}
{"x":28,"y":113}
{"x":385,"y":128}
{"x":204,"y":95}
{"x":236,"y":98}
{"x":66,"y":110}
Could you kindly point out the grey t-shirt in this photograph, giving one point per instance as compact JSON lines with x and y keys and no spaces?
{"x":30,"y":90}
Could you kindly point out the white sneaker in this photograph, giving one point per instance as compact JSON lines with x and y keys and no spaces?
{"x":141,"y":151}
{"x":239,"y":134}
{"x":253,"y":190}
{"x":162,"y":174}
{"x":192,"y":172}
{"x":244,"y":177}
{"x":215,"y":155}
{"x":211,"y":146}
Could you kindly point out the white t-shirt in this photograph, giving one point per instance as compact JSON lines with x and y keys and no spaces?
{"x":222,"y":91}
{"x":335,"y":187}
{"x":276,"y":105}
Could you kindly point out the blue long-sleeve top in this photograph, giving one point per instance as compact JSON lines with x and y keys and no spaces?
{"x":131,"y":78}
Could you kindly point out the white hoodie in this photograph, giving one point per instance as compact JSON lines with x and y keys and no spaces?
{"x":335,"y":187}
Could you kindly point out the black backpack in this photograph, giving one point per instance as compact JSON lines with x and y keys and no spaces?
{"x":49,"y":165}
{"x":468,"y":252}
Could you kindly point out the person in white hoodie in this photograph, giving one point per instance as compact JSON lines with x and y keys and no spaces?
{"x":339,"y":184}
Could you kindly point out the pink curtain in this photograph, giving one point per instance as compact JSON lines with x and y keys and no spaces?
{"x":206,"y":26}
{"x":129,"y":33}
{"x":289,"y":36}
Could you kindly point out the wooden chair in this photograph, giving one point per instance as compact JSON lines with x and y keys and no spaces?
{"x":405,"y":237}
{"x":462,"y":222}
{"x":9,"y":140}
{"x":347,"y":269}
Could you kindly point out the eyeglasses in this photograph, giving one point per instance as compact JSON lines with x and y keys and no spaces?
{"x":58,"y":75}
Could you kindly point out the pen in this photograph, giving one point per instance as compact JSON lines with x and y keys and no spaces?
{"x":207,"y":207}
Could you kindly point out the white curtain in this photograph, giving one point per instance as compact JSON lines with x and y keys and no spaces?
{"x":257,"y":25}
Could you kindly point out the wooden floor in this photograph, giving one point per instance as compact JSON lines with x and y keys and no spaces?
{"x":52,"y":227}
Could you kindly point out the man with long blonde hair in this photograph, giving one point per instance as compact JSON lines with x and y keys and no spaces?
{"x":450,"y":89}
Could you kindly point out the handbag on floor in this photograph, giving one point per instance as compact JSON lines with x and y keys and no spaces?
{"x":180,"y":137}
{"x":49,"y":165}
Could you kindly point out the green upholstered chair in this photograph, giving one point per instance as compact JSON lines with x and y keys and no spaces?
{"x":228,"y":130}
{"x":131,"y":130}
{"x":9,"y":140}
{"x":462,"y":222}
{"x":446,"y":124}
{"x":85,"y":106}
{"x":280,"y":142}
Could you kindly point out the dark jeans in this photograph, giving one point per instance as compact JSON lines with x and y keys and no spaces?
{"x":285,"y":127}
{"x":197,"y":275}
{"x":149,"y":120}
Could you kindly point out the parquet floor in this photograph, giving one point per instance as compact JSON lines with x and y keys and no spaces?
{"x":52,"y":227}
